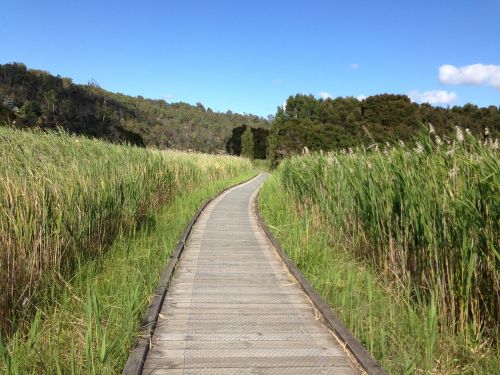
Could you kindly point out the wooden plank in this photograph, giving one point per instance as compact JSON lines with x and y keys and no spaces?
{"x":235,"y":306}
{"x":261,"y":310}
{"x":235,"y":298}
{"x":327,"y":342}
{"x":160,"y":352}
{"x":232,"y":314}
{"x":193,"y":327}
{"x":241,"y":336}
{"x":245,"y":362}
{"x":337,"y":370}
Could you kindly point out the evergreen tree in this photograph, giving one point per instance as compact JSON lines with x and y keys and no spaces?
{"x":247,"y":143}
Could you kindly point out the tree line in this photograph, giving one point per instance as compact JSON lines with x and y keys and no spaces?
{"x":328,"y":124}
{"x":31,"y":98}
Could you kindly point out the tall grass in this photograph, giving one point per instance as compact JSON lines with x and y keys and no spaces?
{"x":427,"y":219}
{"x":64,"y":199}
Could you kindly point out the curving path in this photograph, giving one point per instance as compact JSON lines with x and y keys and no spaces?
{"x":232,"y":307}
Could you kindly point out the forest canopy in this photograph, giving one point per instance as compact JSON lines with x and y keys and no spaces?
{"x":328,"y":124}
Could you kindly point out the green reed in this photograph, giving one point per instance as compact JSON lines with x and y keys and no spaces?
{"x":426,"y":219}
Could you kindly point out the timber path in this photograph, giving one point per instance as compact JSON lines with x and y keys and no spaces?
{"x":232,"y":307}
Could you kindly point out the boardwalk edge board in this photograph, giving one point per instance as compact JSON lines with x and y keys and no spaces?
{"x":365,"y":359}
{"x":137,"y":356}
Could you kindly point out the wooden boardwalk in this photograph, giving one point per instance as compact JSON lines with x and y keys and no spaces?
{"x":232,"y":307}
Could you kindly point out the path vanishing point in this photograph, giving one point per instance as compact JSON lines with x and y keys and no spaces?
{"x":232,"y":307}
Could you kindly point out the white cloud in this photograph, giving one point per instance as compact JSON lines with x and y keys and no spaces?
{"x":475,"y":75}
{"x":354,"y":66}
{"x":433,"y":96}
{"x":361,"y":97}
{"x":168,"y":97}
{"x":325,"y":95}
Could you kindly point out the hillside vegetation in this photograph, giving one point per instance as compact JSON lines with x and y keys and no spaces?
{"x":333,"y":124}
{"x":32,"y":98}
{"x":404,"y":244}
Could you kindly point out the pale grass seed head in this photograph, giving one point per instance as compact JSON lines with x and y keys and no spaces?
{"x":453,"y":172}
{"x":494,"y":145}
{"x":419,"y":149}
{"x":331,"y":159}
{"x":459,"y":133}
{"x":451,"y":150}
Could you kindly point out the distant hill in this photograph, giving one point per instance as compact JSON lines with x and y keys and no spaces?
{"x":32,"y":98}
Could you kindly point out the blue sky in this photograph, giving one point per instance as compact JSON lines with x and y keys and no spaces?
{"x":250,"y":56}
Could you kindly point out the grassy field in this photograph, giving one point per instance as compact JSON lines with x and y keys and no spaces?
{"x":85,"y":230}
{"x":403,"y":243}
